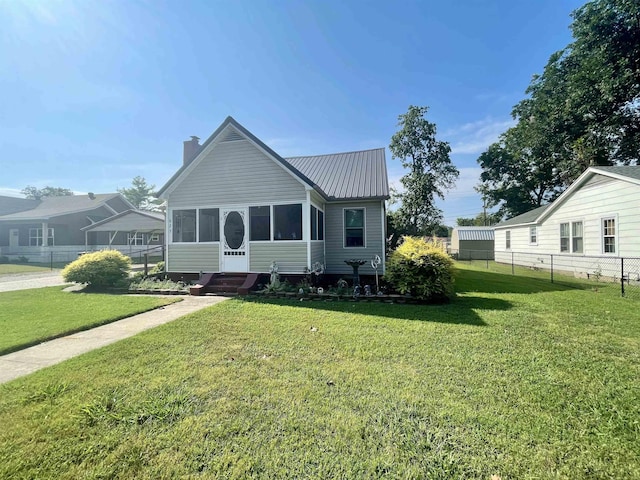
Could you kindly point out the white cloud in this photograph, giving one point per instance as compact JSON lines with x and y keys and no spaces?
{"x":475,"y":137}
{"x":11,"y":192}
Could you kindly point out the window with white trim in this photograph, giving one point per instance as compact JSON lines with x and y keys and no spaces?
{"x":576,"y":237}
{"x":209,"y":228}
{"x":533,"y":235}
{"x":35,"y":237}
{"x":609,"y":235}
{"x":184,"y":225}
{"x":565,"y":237}
{"x":317,"y":224}
{"x":135,"y":238}
{"x":259,"y":223}
{"x":155,"y":237}
{"x":354,"y":227}
{"x":507,"y":238}
{"x":287,"y":222}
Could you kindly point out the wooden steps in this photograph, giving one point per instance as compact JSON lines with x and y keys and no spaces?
{"x":225,"y":284}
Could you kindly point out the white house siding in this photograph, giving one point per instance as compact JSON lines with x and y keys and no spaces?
{"x":291,"y":257}
{"x":193,"y":258}
{"x":236,"y":173}
{"x":337,"y":253}
{"x":317,"y":252}
{"x":600,"y":198}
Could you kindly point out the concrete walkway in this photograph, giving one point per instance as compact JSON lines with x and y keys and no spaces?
{"x":29,"y":360}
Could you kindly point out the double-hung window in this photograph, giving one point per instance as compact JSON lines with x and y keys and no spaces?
{"x":354,"y":227}
{"x":36,"y":240}
{"x":564,"y":237}
{"x":507,"y":238}
{"x":609,"y":235}
{"x":533,"y":235}
{"x":576,"y":237}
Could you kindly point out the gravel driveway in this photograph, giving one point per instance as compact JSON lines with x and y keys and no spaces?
{"x":24,"y":281}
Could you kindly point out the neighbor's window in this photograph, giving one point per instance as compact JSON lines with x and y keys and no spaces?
{"x":354,"y":227}
{"x":609,"y":235}
{"x":564,"y":237}
{"x":135,"y":238}
{"x":259,"y":223}
{"x":35,"y":237}
{"x":507,"y":236}
{"x":533,"y":235}
{"x":209,"y":225}
{"x":184,"y":225}
{"x":155,"y":237}
{"x":287,"y":222}
{"x":576,"y":237}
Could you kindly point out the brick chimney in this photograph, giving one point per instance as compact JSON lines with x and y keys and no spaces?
{"x":191,"y":149}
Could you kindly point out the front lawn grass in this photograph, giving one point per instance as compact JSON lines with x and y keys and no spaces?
{"x":13,"y":268}
{"x":516,"y":377}
{"x":28,"y":317}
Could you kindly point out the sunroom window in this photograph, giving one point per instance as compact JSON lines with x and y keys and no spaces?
{"x":287,"y":222}
{"x":184,"y":225}
{"x":259,"y":223}
{"x":209,"y":225}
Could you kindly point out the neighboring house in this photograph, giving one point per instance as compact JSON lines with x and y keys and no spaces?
{"x":235,"y":205}
{"x":472,"y":243}
{"x":597,"y":216}
{"x":52,"y":227}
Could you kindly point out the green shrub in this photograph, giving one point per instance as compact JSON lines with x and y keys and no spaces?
{"x":157,"y":268}
{"x":107,"y":268}
{"x":422,"y":269}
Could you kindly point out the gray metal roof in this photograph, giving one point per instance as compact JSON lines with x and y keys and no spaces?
{"x":55,"y":206}
{"x":349,"y":175}
{"x":475,"y":233}
{"x":625,"y":171}
{"x":529,"y":217}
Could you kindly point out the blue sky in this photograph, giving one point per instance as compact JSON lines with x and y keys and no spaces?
{"x":93,"y":93}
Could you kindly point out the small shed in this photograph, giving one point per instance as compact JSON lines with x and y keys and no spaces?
{"x":473,"y":243}
{"x":141,"y":228}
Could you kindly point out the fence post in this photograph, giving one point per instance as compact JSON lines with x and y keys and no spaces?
{"x":622,"y":276}
{"x":51,"y":260}
{"x":551,"y":268}
{"x":486,"y":253}
{"x":512,"y":268}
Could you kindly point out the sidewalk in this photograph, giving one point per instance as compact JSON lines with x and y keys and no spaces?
{"x":29,"y":360}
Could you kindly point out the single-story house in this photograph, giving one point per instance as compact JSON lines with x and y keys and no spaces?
{"x":53,"y":228}
{"x":472,"y":243}
{"x":587,"y":229}
{"x":236,"y":205}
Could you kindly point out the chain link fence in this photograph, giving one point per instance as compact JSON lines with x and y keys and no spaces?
{"x":612,"y":273}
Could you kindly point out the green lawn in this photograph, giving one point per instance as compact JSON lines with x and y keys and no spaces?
{"x":11,"y":268}
{"x":516,"y":377}
{"x":28,"y":317}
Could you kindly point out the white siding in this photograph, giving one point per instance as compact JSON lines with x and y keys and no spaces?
{"x":337,"y":253}
{"x":291,"y":257}
{"x":236,"y":173}
{"x":193,"y":257}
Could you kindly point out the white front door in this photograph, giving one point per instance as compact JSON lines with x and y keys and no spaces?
{"x":14,"y":238}
{"x":234,"y":240}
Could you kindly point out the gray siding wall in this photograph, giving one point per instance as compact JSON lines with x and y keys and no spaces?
{"x":236,"y":173}
{"x":336,"y":252}
{"x":317,"y":252}
{"x":193,"y":258}
{"x":291,"y":257}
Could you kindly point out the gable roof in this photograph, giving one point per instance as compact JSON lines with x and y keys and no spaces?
{"x":334,"y":176}
{"x":475,"y":233}
{"x":129,"y":220}
{"x":49,"y":207}
{"x":350,"y":175}
{"x":625,"y":173}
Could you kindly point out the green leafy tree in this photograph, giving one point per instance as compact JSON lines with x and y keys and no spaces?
{"x":430,"y":174}
{"x":37,"y":193}
{"x":583,"y":110}
{"x":141,"y":195}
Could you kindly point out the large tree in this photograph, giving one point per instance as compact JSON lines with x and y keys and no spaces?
{"x":141,"y":195}
{"x":431,"y":172}
{"x":37,"y":193}
{"x":583,"y":110}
